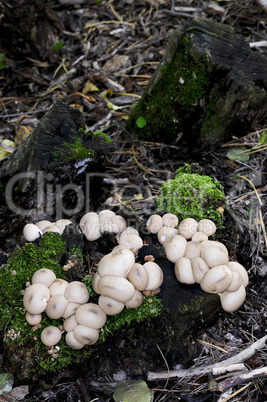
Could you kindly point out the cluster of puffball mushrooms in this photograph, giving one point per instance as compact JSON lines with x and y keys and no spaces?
{"x":120,"y":281}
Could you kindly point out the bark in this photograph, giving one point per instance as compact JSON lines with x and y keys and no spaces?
{"x":209,"y":87}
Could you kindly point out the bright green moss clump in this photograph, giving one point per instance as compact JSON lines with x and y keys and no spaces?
{"x":191,"y":195}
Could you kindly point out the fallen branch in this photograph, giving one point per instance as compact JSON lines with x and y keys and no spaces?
{"x":194,"y":372}
{"x":242,"y":377}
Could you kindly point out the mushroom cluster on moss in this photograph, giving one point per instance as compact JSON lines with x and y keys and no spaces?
{"x":58,"y":298}
{"x":200,"y":260}
{"x":33,"y":231}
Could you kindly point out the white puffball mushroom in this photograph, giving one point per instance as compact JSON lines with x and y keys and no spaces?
{"x":58,"y":287}
{"x":187,"y":228}
{"x":136,"y":300}
{"x":70,"y":323}
{"x":91,"y":315}
{"x":131,"y":241}
{"x":117,"y":263}
{"x":235,"y":266}
{"x":206,"y":226}
{"x":154,"y":223}
{"x":62,"y":223}
{"x":33,"y":319}
{"x":175,"y":247}
{"x":199,"y":268}
{"x":170,"y":220}
{"x":43,"y":224}
{"x":52,"y":228}
{"x":237,"y":281}
{"x":165,"y":232}
{"x":138,"y":276}
{"x":215,"y":243}
{"x":128,"y":230}
{"x":71,"y":309}
{"x":199,"y":237}
{"x":31,"y":232}
{"x":35,"y":298}
{"x":192,"y":250}
{"x":117,"y":288}
{"x":118,"y":224}
{"x":214,"y":255}
{"x":77,"y":292}
{"x":51,"y":335}
{"x":217,"y":279}
{"x":90,"y":227}
{"x":183,"y":271}
{"x":231,"y":301}
{"x":95,"y":281}
{"x":155,"y":275}
{"x":45,"y":276}
{"x":72,"y":342}
{"x":105,"y":221}
{"x":85,"y":335}
{"x":56,"y":306}
{"x":110,"y":306}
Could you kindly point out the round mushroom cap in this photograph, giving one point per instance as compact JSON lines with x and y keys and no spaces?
{"x":70,"y":323}
{"x":72,"y":342}
{"x":56,"y":306}
{"x":129,"y":229}
{"x":35,"y":298}
{"x":110,"y":306}
{"x":166,"y":232}
{"x":235,"y":266}
{"x":91,"y":315}
{"x":175,"y":247}
{"x":31,"y":232}
{"x":199,"y":237}
{"x":95,"y":281}
{"x":199,"y":268}
{"x":51,"y":335}
{"x":136,"y":300}
{"x":231,"y":301}
{"x":90,"y":227}
{"x":183,"y":271}
{"x":237,"y":281}
{"x":214,"y":255}
{"x":192,"y":250}
{"x":45,"y":276}
{"x":131,"y":241}
{"x":206,"y":226}
{"x":105,"y":221}
{"x":71,"y":309}
{"x":138,"y":277}
{"x":77,"y":292}
{"x":118,"y":223}
{"x":217,"y":279}
{"x":33,"y":319}
{"x":215,"y":243}
{"x":155,"y":275}
{"x":154,"y":223}
{"x":85,"y":335}
{"x":117,"y":263}
{"x":52,"y":228}
{"x":62,"y":223}
{"x":170,"y":220}
{"x":117,"y":288}
{"x":187,"y":228}
{"x":43,"y":224}
{"x":58,"y":287}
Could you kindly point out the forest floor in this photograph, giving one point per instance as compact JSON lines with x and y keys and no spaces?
{"x":109,"y":51}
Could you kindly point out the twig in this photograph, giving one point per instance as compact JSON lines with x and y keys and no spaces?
{"x":194,"y":372}
{"x":242,"y":377}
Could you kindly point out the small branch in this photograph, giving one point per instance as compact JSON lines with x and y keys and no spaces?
{"x":240,"y":378}
{"x":194,"y":372}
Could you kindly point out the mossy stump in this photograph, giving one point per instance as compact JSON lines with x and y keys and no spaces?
{"x":208,"y":87}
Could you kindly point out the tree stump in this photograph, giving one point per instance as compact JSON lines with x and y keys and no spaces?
{"x":208,"y":87}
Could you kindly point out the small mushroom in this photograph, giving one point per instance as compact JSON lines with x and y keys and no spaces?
{"x":71,"y":309}
{"x":117,"y":288}
{"x":183,"y":271}
{"x":95,"y":281}
{"x":85,"y":335}
{"x":237,"y":281}
{"x":58,"y":287}
{"x":43,"y":224}
{"x":192,"y":250}
{"x":51,"y":335}
{"x":131,"y":241}
{"x":154,"y":223}
{"x":187,"y":228}
{"x":138,"y":277}
{"x":70,"y":323}
{"x":206,"y":226}
{"x":170,"y":220}
{"x":33,"y":319}
{"x":165,"y":232}
{"x":62,"y":223}
{"x":72,"y":342}
{"x":45,"y":276}
{"x":118,"y":224}
{"x":35,"y":298}
{"x":56,"y":306}
{"x":199,"y":268}
{"x":214,"y":255}
{"x":231,"y":301}
{"x":105,"y":220}
{"x":90,"y":227}
{"x":77,"y":292}
{"x":51,"y":228}
{"x":199,"y":237}
{"x":110,"y":306}
{"x":155,"y":275}
{"x":31,"y":232}
{"x":235,"y":266}
{"x":91,"y":315}
{"x":136,"y":300}
{"x":128,"y":230}
{"x":175,"y":247}
{"x":217,"y":279}
{"x":117,"y":263}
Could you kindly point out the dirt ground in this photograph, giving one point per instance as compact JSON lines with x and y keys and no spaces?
{"x":109,"y":51}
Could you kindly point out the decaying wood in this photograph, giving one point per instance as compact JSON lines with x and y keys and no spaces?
{"x":194,"y":372}
{"x":209,"y":87}
{"x":241,"y":378}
